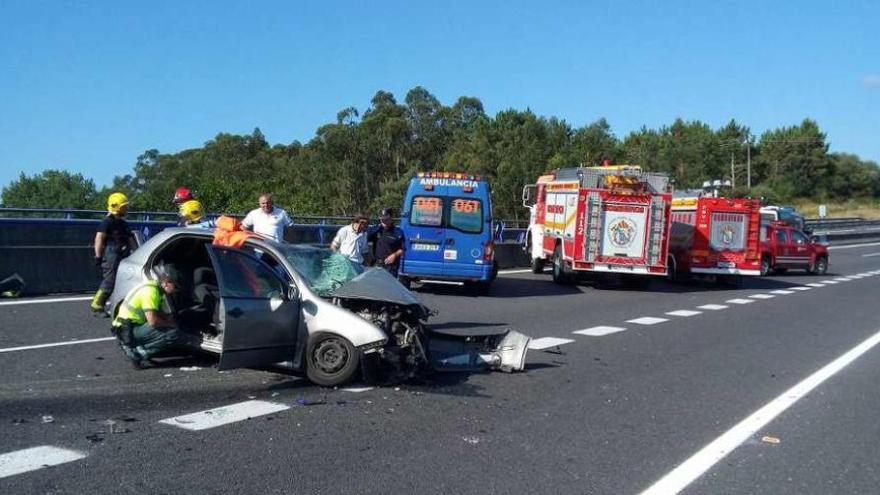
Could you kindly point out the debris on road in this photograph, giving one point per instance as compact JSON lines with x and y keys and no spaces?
{"x":308,"y":402}
{"x":95,"y":438}
{"x":772,"y":440}
{"x":190,"y":368}
{"x":19,"y":421}
{"x":471,"y":440}
{"x":168,"y":375}
{"x":48,"y":419}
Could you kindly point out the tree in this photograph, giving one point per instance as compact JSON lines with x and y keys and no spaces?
{"x":52,"y":189}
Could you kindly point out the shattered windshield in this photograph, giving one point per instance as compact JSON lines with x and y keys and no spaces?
{"x":323,"y":270}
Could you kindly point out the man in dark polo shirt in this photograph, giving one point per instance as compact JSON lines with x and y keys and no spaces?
{"x":388,"y":242}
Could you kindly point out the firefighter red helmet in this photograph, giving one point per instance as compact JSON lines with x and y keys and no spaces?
{"x":181,"y":195}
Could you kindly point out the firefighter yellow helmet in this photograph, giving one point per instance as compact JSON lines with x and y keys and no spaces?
{"x":192,"y":210}
{"x":115,"y":202}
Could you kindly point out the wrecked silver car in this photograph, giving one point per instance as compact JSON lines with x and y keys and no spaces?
{"x":307,"y":309}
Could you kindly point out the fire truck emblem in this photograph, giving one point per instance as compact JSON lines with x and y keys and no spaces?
{"x":622,"y":232}
{"x":727,"y":235}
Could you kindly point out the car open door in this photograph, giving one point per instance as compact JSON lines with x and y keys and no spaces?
{"x":259,"y":313}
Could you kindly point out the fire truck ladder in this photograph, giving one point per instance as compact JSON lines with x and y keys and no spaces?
{"x":593,"y":236}
{"x":655,"y":244}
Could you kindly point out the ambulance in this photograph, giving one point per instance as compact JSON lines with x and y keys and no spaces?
{"x":447,"y":220}
{"x":613,"y":219}
{"x":715,"y":236}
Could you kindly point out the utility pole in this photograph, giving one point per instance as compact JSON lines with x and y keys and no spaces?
{"x":748,"y":163}
{"x":732,"y":172}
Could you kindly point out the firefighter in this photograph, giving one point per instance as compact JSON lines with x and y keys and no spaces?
{"x":141,"y":327}
{"x":181,"y":196}
{"x":193,"y":215}
{"x":113,"y":242}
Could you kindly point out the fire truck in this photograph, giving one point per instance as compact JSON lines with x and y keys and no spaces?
{"x":611,"y":219}
{"x":716,"y":236}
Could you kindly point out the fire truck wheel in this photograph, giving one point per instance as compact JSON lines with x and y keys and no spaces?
{"x":560,"y":275}
{"x":537,"y":265}
{"x":765,"y":266}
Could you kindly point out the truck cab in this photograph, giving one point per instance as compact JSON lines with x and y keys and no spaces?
{"x":447,"y":220}
{"x":784,"y":247}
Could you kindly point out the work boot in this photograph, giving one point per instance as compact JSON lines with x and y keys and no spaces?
{"x":98,"y":301}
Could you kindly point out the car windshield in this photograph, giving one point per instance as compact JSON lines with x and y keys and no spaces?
{"x":322,"y":269}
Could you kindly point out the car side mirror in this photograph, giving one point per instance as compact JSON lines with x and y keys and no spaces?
{"x":292,"y":293}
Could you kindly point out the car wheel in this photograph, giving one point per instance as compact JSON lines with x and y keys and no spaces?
{"x":331,"y":360}
{"x":537,"y":265}
{"x":819,"y":267}
{"x":765,"y":266}
{"x":559,"y":274}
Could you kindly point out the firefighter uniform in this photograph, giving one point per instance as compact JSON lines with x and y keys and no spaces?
{"x":139,"y":340}
{"x":117,"y":245}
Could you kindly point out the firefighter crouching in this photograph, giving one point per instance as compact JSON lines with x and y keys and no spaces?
{"x":142,"y":328}
{"x":113,"y":241}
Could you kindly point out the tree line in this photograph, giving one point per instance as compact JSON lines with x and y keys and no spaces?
{"x":363,"y":160}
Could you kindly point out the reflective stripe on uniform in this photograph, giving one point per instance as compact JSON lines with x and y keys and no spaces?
{"x":129,"y":311}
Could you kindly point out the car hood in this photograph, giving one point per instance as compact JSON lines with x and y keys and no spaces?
{"x":376,"y":284}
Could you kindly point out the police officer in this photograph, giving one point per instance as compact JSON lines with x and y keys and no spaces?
{"x":388,"y":242}
{"x":141,"y":327}
{"x":113,"y":241}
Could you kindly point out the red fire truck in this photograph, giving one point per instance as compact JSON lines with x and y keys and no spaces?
{"x":716,"y":236}
{"x":611,"y":219}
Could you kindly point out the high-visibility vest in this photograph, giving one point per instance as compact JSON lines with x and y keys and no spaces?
{"x":229,"y":233}
{"x":132,"y":306}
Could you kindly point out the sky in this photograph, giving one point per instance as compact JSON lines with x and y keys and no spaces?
{"x":87,"y":86}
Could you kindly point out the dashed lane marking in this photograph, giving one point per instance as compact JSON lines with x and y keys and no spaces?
{"x":548,"y":342}
{"x":46,"y":301}
{"x":511,"y":272}
{"x":816,"y":284}
{"x":841,"y":279}
{"x":357,"y":390}
{"x":830,"y":282}
{"x":599,"y":331}
{"x":801,"y":288}
{"x":647,"y":320}
{"x":684,"y":312}
{"x":22,"y":461}
{"x":698,"y":464}
{"x":762,"y":296}
{"x":782,"y":292}
{"x":713,"y":307}
{"x":56,"y":344}
{"x":740,"y":301}
{"x":225,"y":415}
{"x":869,"y":255}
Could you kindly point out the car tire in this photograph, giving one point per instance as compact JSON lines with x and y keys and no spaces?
{"x":537,"y":265}
{"x":559,"y":272}
{"x":819,"y":267}
{"x":766,"y":266}
{"x":331,"y":360}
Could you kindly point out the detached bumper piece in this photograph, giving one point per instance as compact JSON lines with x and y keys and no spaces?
{"x":480,"y":351}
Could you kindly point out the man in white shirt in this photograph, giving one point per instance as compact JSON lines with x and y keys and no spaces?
{"x":351,"y":240}
{"x":267,"y":220}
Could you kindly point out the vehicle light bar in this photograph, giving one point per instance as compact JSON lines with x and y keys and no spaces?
{"x":447,"y":175}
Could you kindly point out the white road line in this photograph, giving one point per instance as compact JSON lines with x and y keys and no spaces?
{"x":647,"y":320}
{"x":801,"y":288}
{"x":713,"y":307}
{"x":684,"y":312}
{"x":511,"y":272}
{"x":45,"y":301}
{"x":781,"y":292}
{"x":816,"y":284}
{"x":357,"y":390}
{"x":56,"y":344}
{"x":853,"y":246}
{"x":688,"y":471}
{"x":740,"y":301}
{"x":225,"y":415}
{"x":841,"y":279}
{"x":870,"y":255}
{"x":22,"y":461}
{"x":830,"y":282}
{"x":599,"y":331}
{"x":548,"y":342}
{"x":762,"y":296}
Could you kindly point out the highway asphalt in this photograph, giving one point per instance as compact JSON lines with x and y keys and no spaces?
{"x":607,"y":411}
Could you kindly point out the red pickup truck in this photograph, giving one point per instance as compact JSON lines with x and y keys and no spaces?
{"x":784,"y":247}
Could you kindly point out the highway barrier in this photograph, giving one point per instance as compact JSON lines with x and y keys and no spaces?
{"x":55,"y":255}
